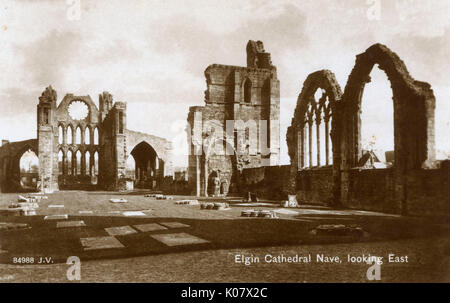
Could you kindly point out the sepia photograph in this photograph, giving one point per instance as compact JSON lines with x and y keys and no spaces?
{"x":241,"y":141}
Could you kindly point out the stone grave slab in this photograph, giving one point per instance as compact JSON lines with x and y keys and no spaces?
{"x":286,"y":211}
{"x":56,"y":217}
{"x":179,"y":239}
{"x":149,"y":227}
{"x":174,"y":224}
{"x":56,"y":206}
{"x":120,"y":230}
{"x":63,"y":224}
{"x":85,"y":212}
{"x":133,"y":213}
{"x":95,"y":243}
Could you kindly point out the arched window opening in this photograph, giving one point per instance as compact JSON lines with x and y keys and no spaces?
{"x":60,"y":162}
{"x":87,"y":136}
{"x":78,"y":165}
{"x":96,"y":136}
{"x":69,"y":162}
{"x":306,"y":148}
{"x":313,"y":133}
{"x":78,"y":136}
{"x":247,"y":91}
{"x":377,"y":123}
{"x":322,"y":139}
{"x":87,"y":158}
{"x":317,"y":148}
{"x":69,"y":135}
{"x":60,"y":135}
{"x":96,"y":163}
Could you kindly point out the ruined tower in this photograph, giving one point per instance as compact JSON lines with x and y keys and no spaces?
{"x":239,"y":125}
{"x":47,"y":152}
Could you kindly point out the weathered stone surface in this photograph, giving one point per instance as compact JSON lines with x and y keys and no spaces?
{"x":100,"y":142}
{"x":398,"y":189}
{"x":149,"y":227}
{"x":120,"y":230}
{"x":179,"y":239}
{"x":63,"y":224}
{"x":11,"y":226}
{"x":133,"y":213}
{"x":174,"y":224}
{"x":246,"y":95}
{"x":56,"y":217}
{"x":95,"y":243}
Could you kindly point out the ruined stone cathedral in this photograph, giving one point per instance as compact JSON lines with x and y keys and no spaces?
{"x":80,"y":146}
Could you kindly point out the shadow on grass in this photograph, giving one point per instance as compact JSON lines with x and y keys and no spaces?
{"x":44,"y":240}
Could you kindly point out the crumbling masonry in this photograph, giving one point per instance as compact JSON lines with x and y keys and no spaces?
{"x":239,"y":126}
{"x":87,"y":152}
{"x":415,"y":184}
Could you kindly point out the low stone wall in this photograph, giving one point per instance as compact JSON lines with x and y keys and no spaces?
{"x":428,"y":191}
{"x":372,"y":189}
{"x":315,"y":186}
{"x":269,"y":182}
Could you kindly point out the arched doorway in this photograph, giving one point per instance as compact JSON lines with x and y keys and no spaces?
{"x":148,"y":167}
{"x":221,"y":172}
{"x":213,"y":184}
{"x":28,"y":170}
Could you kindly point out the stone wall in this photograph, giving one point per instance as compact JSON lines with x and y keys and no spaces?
{"x":269,"y":182}
{"x":411,"y":186}
{"x":61,"y":136}
{"x":315,"y":186}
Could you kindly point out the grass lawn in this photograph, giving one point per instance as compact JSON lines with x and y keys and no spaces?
{"x":143,"y":258}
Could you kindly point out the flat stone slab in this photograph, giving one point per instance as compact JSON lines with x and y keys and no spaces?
{"x":149,"y":227}
{"x":118,"y":200}
{"x":95,"y":243}
{"x":85,"y":212}
{"x":179,"y":239}
{"x":56,"y":217}
{"x":63,"y":224}
{"x":133,"y":213}
{"x":120,"y":230}
{"x":10,"y":226}
{"x":254,"y":204}
{"x":174,"y":224}
{"x":286,"y":211}
{"x":56,"y":206}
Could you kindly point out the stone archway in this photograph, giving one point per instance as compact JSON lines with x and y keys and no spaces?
{"x":148,"y":166}
{"x":414,"y":105}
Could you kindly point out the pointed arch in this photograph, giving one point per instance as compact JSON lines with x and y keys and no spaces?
{"x":87,"y":166}
{"x":96,"y":136}
{"x":69,"y":162}
{"x":87,"y":135}
{"x":60,"y":134}
{"x":247,"y":88}
{"x":78,"y":163}
{"x":414,"y":104}
{"x":78,"y":135}
{"x":61,"y":162}
{"x":95,"y":163}
{"x":69,"y":134}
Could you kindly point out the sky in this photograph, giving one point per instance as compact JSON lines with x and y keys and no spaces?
{"x":152,"y":55}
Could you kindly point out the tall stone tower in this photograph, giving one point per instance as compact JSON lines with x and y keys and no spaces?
{"x":47,"y":150}
{"x":239,"y":127}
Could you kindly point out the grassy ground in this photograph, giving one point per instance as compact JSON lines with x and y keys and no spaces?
{"x":146,"y":259}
